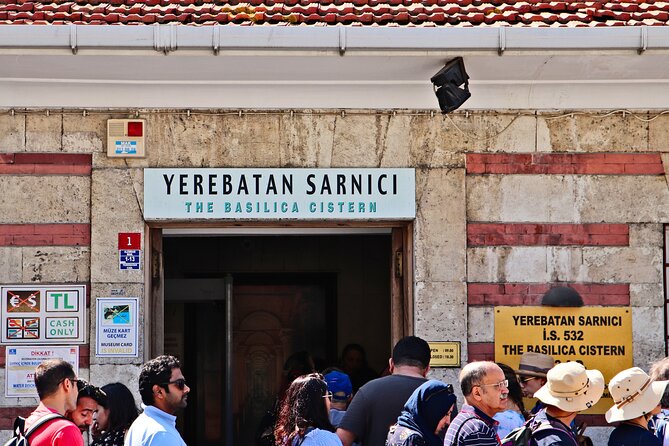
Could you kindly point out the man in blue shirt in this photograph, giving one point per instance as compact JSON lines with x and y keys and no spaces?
{"x":164,"y":391}
{"x":485,"y":389}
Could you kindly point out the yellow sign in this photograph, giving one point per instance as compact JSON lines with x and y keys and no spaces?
{"x":598,"y":337}
{"x":445,"y":354}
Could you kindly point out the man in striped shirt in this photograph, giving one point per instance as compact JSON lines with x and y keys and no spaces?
{"x":485,"y":389}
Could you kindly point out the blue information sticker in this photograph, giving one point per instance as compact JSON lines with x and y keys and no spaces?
{"x":126,"y":147}
{"x":129,"y":258}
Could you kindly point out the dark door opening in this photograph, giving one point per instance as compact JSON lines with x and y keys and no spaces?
{"x":289,"y":294}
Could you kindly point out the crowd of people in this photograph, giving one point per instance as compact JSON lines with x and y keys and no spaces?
{"x":401,"y":408}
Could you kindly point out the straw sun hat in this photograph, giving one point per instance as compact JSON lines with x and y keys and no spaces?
{"x":571,"y":387}
{"x":535,"y":364}
{"x":634,"y":394}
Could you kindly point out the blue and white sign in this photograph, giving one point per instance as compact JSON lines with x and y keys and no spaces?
{"x":116,"y":333}
{"x":271,"y":194}
{"x":125,"y":147}
{"x":129,"y":258}
{"x":20,"y":364}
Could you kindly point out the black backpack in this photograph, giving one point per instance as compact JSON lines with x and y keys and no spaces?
{"x":521,"y":436}
{"x":20,"y":437}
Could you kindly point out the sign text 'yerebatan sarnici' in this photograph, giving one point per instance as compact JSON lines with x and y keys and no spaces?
{"x":43,"y":314}
{"x":598,"y":337}
{"x":319,"y":194}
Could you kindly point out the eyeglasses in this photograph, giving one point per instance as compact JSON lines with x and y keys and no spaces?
{"x":328,"y":395}
{"x":500,"y":385}
{"x":179,"y":383}
{"x":527,"y":379}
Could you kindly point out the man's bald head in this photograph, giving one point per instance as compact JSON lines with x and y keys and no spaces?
{"x":474,"y":373}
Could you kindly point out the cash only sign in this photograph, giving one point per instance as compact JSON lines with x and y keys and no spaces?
{"x":598,"y":337}
{"x":316,"y":194}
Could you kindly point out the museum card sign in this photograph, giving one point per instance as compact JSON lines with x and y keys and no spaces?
{"x":598,"y":337}
{"x":20,"y":364}
{"x":43,"y":314}
{"x":444,"y":354}
{"x":319,"y":194}
{"x":116,"y":327}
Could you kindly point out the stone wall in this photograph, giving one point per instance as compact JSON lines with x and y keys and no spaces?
{"x":449,"y":197}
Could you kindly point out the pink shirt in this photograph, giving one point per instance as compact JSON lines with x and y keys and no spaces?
{"x":58,"y":432}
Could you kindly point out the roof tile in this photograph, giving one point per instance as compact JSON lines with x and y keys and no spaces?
{"x":389,"y":13}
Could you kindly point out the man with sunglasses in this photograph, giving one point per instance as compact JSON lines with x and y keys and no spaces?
{"x":88,"y":398}
{"x":56,"y":385}
{"x":485,"y":389}
{"x":164,"y":391}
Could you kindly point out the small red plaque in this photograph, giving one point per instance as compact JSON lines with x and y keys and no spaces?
{"x":129,"y":240}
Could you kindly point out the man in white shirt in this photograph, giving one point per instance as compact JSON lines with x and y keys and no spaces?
{"x":164,"y":391}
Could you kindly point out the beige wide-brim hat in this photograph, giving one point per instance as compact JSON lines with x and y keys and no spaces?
{"x":634,"y":394}
{"x":572,"y":388}
{"x":535,"y":364}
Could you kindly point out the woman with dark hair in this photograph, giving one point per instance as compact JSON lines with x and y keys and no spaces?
{"x":425,"y":417}
{"x":304,"y":414}
{"x":114,"y":419}
{"x":515,"y":415}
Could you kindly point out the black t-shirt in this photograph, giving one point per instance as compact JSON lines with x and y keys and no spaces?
{"x":632,"y":435}
{"x":376,"y":407}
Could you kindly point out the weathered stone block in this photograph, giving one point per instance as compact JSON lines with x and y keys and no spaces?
{"x":196,"y":141}
{"x":521,"y":198}
{"x":633,"y":265}
{"x":594,"y":133}
{"x":126,"y":374}
{"x":11,"y":265}
{"x":481,"y":324}
{"x":44,"y":133}
{"x":105,"y":290}
{"x":114,"y":212}
{"x":51,"y":199}
{"x":658,"y":135}
{"x":643,"y":199}
{"x":356,"y":140}
{"x":85,"y":133}
{"x":249,"y":141}
{"x":568,"y":198}
{"x":646,"y":295}
{"x":506,"y":264}
{"x":58,"y":264}
{"x":647,"y":327}
{"x":477,"y":132}
{"x":440,"y":225}
{"x":12,"y":133}
{"x":307,"y":140}
{"x":441,"y":311}
{"x":570,"y":264}
{"x":646,"y":235}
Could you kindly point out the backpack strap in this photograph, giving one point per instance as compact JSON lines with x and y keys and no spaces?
{"x":457,"y":432}
{"x":545,"y":425}
{"x":39,"y":423}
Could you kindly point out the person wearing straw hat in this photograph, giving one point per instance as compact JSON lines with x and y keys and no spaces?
{"x":659,"y":424}
{"x":636,"y":399}
{"x":532,"y":374}
{"x":569,"y":389}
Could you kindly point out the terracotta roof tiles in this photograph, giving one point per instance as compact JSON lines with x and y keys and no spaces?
{"x":403,"y":13}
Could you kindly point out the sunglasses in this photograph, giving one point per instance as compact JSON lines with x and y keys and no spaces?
{"x":179,"y":383}
{"x":527,"y":379}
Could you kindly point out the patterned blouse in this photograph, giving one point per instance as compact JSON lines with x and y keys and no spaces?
{"x":112,"y":438}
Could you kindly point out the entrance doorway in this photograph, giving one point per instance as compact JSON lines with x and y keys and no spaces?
{"x":287,"y":294}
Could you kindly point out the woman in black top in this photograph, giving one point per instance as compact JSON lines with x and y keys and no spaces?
{"x":113,"y":421}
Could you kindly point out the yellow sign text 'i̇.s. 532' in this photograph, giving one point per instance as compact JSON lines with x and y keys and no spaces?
{"x":598,"y":337}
